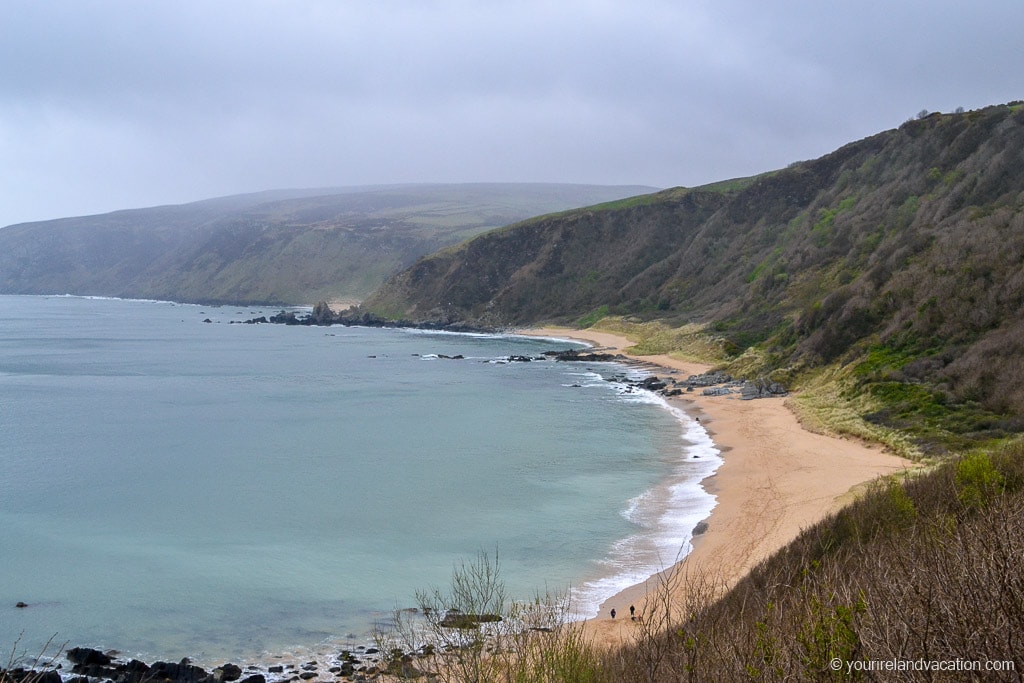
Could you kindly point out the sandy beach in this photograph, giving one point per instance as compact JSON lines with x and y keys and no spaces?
{"x":777,"y":478}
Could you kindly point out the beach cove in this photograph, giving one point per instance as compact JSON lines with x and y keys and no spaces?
{"x":776,"y":479}
{"x":767,"y":485}
{"x":210,"y":480}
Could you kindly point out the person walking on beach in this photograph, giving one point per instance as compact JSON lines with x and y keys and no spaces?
{"x":632,"y":612}
{"x":613,"y":612}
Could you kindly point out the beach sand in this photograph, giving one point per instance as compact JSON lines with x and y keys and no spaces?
{"x":777,"y":478}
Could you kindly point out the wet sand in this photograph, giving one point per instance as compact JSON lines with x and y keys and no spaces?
{"x":776,"y":479}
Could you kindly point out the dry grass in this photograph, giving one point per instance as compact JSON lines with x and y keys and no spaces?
{"x":690,"y":342}
{"x":822,"y":407}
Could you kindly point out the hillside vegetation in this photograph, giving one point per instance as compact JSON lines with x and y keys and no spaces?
{"x":896,"y":262}
{"x":278,"y":247}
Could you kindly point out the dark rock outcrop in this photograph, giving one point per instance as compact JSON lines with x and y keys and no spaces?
{"x":84,"y":656}
{"x":182,"y":672}
{"x":761,"y":388}
{"x":708,"y":379}
{"x":323,"y":316}
{"x":651,"y":383}
{"x":227,"y":672}
{"x":574,"y":355}
{"x":461,"y":620}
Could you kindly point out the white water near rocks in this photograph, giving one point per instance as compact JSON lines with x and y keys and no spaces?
{"x":171,"y":488}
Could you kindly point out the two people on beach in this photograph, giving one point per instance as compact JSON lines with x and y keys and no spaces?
{"x":632,"y":612}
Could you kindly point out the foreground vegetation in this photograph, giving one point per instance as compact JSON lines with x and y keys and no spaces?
{"x":927,"y":569}
{"x":922,"y":573}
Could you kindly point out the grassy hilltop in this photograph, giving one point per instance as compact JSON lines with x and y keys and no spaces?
{"x":276,"y":247}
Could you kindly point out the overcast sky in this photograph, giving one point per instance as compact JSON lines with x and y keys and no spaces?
{"x":119,"y":104}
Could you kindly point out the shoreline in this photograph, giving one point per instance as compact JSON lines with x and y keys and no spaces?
{"x":776,"y":478}
{"x":732,"y":544}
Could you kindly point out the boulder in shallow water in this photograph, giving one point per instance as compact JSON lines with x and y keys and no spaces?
{"x":183,"y":672}
{"x":652,"y":383}
{"x":227,"y":672}
{"x":87,"y":656}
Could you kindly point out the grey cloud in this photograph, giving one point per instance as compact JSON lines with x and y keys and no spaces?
{"x":112,"y":104}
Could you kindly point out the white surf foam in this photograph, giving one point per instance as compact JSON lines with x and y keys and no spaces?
{"x":664,"y":515}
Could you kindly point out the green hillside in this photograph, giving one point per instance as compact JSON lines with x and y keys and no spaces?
{"x":287,"y":247}
{"x":896,"y":261}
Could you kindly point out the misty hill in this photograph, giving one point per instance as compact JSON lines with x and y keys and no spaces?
{"x":285,"y":246}
{"x":899,"y":258}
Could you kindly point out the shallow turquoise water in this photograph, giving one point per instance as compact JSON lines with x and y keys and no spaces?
{"x":171,"y":488}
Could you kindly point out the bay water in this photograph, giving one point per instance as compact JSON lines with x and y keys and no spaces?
{"x":174,"y":487}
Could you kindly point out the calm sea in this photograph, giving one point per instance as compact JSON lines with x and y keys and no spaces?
{"x":171,"y":487}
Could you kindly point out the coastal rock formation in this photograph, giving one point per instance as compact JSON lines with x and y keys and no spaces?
{"x":574,"y":355}
{"x":83,"y":656}
{"x":651,"y":383}
{"x":89,"y":665}
{"x":461,"y":620}
{"x":761,"y":388}
{"x":708,"y":379}
{"x":323,"y":316}
{"x":227,"y":672}
{"x":713,"y":383}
